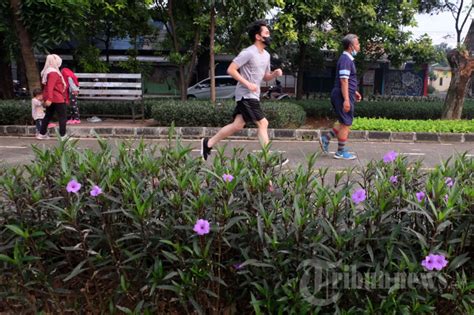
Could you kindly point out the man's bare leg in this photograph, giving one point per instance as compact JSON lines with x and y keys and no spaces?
{"x":226,"y":131}
{"x":262,"y":132}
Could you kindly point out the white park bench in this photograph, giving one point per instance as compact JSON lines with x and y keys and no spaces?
{"x":126,"y":87}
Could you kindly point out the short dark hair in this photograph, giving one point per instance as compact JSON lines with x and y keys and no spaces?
{"x":348,"y":40}
{"x":37,"y":92}
{"x":255,"y":28}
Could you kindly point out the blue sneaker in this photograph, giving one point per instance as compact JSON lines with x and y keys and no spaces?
{"x":324,"y":143}
{"x":344,"y":155}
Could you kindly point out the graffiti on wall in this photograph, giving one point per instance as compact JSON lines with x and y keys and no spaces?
{"x":405,"y":83}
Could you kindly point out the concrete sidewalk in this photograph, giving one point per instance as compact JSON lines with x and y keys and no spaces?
{"x":111,"y":128}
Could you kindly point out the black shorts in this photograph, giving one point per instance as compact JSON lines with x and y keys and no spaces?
{"x":250,"y":110}
{"x":337,"y":102}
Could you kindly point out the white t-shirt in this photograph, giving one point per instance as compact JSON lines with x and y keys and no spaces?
{"x":37,"y":110}
{"x":253,"y":65}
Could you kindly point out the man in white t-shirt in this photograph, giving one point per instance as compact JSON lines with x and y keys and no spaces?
{"x":249,"y":68}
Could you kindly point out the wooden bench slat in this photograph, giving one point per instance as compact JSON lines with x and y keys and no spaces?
{"x":112,"y":87}
{"x":111,"y":98}
{"x":110,"y":84}
{"x":109,"y":92}
{"x":109,"y":75}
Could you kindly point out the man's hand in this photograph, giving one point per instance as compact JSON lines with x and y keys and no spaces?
{"x":347,"y":106}
{"x":75,"y":92}
{"x":47,"y":103}
{"x":358,"y":96}
{"x":277,"y":73}
{"x":252,"y":87}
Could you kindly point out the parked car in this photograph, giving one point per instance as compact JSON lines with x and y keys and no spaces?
{"x":225,"y":88}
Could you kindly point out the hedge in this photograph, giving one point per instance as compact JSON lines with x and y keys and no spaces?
{"x":13,"y":112}
{"x":286,"y":114}
{"x":189,"y":113}
{"x":382,"y":124}
{"x":134,"y":237}
{"x":202,"y":113}
{"x":385,"y":109}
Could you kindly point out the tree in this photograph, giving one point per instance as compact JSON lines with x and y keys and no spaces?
{"x":459,"y":59}
{"x":184,"y":22}
{"x":26,"y":46}
{"x":38,"y":25}
{"x":321,"y":24}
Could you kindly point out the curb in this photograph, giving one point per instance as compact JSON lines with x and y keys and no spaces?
{"x":247,"y":133}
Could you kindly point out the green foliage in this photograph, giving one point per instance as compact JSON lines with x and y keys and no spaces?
{"x":396,"y":108}
{"x":50,"y":23}
{"x":88,"y":59}
{"x":462,"y":126}
{"x":165,"y":112}
{"x":421,"y":51}
{"x":203,"y":113}
{"x":132,"y":249}
{"x":15,"y":112}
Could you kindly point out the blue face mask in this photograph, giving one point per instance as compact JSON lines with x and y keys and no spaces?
{"x":354,"y":53}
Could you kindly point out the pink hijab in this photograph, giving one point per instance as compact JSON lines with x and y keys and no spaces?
{"x":52,"y":64}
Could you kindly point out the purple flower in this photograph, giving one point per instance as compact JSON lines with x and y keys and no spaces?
{"x":96,"y":190}
{"x":227,"y":177}
{"x":358,"y":196}
{"x":433,"y":261}
{"x":420,"y":196}
{"x":201,"y":227}
{"x":446,"y":197}
{"x":394,"y":179}
{"x":390,"y":156}
{"x":237,"y":266}
{"x":73,"y":186}
{"x":449,"y":182}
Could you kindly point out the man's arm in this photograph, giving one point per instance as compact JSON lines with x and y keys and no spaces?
{"x":345,"y":94}
{"x":272,"y":75}
{"x":233,"y":71}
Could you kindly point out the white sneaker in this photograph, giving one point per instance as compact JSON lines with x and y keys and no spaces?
{"x":42,"y":137}
{"x":94,"y":119}
{"x":65,"y":138}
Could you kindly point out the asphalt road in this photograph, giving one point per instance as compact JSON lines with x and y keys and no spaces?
{"x":14,"y":151}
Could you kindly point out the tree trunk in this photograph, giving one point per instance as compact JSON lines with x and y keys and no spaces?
{"x":6,"y":84}
{"x":301,"y":63}
{"x":192,"y":63}
{"x":461,"y":70}
{"x":26,"y":47}
{"x":173,"y":34}
{"x":212,"y":67}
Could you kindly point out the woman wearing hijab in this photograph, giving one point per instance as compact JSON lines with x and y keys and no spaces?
{"x":72,"y":90}
{"x":54,"y":95}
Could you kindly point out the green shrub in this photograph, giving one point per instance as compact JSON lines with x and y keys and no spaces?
{"x":14,"y":112}
{"x":461,"y":126}
{"x":385,"y":109}
{"x":132,"y":249}
{"x":202,"y":113}
{"x":189,"y":113}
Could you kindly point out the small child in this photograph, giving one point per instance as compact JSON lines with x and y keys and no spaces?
{"x":37,"y":110}
{"x":72,"y":90}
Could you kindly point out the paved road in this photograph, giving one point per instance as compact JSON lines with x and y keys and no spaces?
{"x":18,"y":150}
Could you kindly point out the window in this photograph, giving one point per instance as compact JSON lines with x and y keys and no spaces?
{"x":225,"y":82}
{"x":440,"y":81}
{"x":205,"y":83}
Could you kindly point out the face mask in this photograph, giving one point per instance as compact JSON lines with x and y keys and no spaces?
{"x":267,"y":40}
{"x":354,"y":53}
